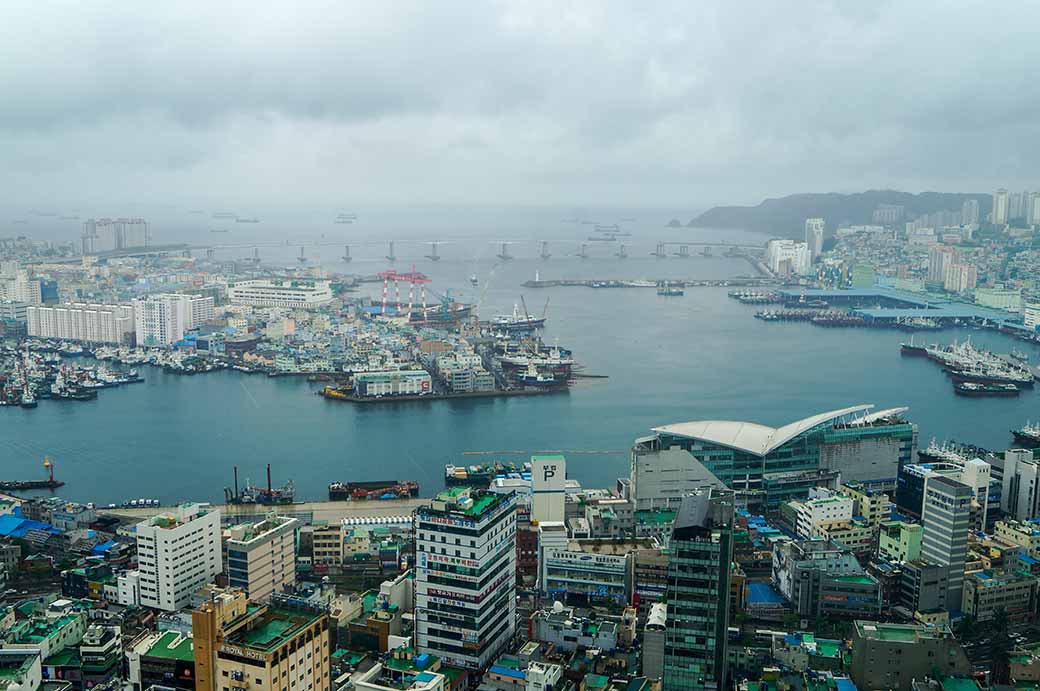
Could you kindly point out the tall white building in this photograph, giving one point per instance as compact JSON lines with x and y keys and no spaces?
{"x":1031,"y":315}
{"x":107,"y":234}
{"x":78,"y":321}
{"x":465,"y":581}
{"x":970,"y":212}
{"x":1000,"y":207}
{"x":946,"y":517}
{"x":940,"y":259}
{"x":817,"y":512}
{"x":294,"y":293}
{"x":788,"y":257}
{"x":177,"y":554}
{"x":1033,"y":217}
{"x":19,"y":285}
{"x":163,"y":319}
{"x":961,"y":278}
{"x":261,"y":557}
{"x":814,"y":236}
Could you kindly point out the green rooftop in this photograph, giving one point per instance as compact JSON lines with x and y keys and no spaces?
{"x":890,"y":632}
{"x":172,"y":646}
{"x":276,"y":626}
{"x":959,"y":684}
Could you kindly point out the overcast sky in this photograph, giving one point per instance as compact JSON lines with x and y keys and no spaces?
{"x":662,"y":103}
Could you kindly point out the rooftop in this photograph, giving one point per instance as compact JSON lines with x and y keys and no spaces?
{"x":172,"y":646}
{"x":274,"y":628}
{"x":751,"y":437}
{"x":901,"y":633}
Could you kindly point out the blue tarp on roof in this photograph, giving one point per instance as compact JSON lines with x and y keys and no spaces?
{"x":845,"y":684}
{"x":103,"y":547}
{"x":763,"y":594}
{"x":16,"y":526}
{"x":508,"y":672}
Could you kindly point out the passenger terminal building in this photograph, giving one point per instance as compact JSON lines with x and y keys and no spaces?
{"x":768,"y":466}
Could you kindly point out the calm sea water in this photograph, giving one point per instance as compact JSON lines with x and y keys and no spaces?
{"x":701,"y":356}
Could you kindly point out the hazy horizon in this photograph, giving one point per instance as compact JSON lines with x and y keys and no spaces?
{"x":669,"y":105}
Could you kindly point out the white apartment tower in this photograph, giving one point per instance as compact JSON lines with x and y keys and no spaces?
{"x":177,"y":554}
{"x":788,"y":257}
{"x":82,"y":322}
{"x":814,"y":236}
{"x":261,"y":557}
{"x":1000,"y":207}
{"x":465,"y":582}
{"x":163,"y":319}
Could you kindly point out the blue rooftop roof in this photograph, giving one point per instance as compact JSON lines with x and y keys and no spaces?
{"x":763,"y":593}
{"x":509,"y":672}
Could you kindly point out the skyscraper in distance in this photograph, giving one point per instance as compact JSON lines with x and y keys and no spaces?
{"x":814,"y":236}
{"x":1000,"y":207}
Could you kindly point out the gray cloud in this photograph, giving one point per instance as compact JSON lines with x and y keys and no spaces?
{"x":535,"y":102}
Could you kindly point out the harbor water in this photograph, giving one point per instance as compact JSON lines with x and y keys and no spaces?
{"x":668,"y":359}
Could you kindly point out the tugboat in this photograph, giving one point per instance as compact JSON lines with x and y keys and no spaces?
{"x":28,"y":400}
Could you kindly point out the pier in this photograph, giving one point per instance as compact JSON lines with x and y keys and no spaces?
{"x":651,"y":283}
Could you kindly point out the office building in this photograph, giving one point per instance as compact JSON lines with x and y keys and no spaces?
{"x":261,"y":557}
{"x":163,"y":319}
{"x":548,"y":477}
{"x":977,"y":474}
{"x":970,"y":212}
{"x":823,"y":578}
{"x":164,"y":658}
{"x":698,"y":593}
{"x":819,"y":510}
{"x":274,"y":292}
{"x":177,"y":554}
{"x":280,"y":646}
{"x":769,"y":466}
{"x":465,"y":543}
{"x":814,"y":236}
{"x":1020,"y":477}
{"x":891,"y":656}
{"x":986,"y":592}
{"x":90,"y":323}
{"x":787,"y":257}
{"x":946,"y":517}
{"x":561,"y":627}
{"x":590,"y":571}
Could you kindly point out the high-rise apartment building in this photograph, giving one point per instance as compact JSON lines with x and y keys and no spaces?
{"x":279,"y":646}
{"x":814,"y":236}
{"x":940,"y":259}
{"x":970,"y":212}
{"x":107,"y":234}
{"x":1000,"y":207}
{"x":788,"y":257}
{"x":163,"y":319}
{"x":465,"y":544}
{"x":1033,"y":217}
{"x":261,"y":557}
{"x":177,"y":554}
{"x":960,"y":278}
{"x":946,"y":516}
{"x":548,"y":475}
{"x":82,"y":322}
{"x":700,"y":558}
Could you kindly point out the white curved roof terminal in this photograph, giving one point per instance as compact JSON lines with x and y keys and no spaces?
{"x":751,"y":437}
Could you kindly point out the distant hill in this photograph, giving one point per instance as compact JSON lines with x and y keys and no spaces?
{"x":785,"y":217}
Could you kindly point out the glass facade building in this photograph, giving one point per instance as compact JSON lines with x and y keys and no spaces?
{"x":699,"y":570}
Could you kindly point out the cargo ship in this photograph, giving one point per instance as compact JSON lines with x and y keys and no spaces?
{"x":967,"y":388}
{"x":373,"y":489}
{"x":444,"y":313}
{"x":1028,"y":436}
{"x":912,"y":349}
{"x":991,"y":375}
{"x":482,"y":474}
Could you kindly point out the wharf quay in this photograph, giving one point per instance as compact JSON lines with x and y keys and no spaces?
{"x":373,"y":510}
{"x":652,"y":283}
{"x":498,"y":393}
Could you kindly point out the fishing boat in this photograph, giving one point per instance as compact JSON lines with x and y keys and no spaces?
{"x":968,"y":388}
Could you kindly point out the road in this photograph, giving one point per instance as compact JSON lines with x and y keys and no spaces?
{"x":308,"y":511}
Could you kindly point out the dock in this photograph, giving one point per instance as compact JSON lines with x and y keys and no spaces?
{"x":307,"y":511}
{"x":652,"y":283}
{"x":498,"y":393}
